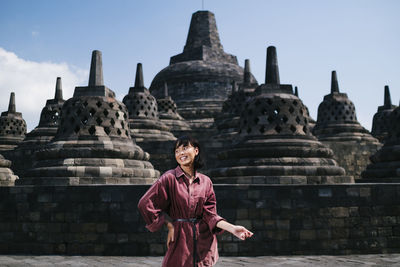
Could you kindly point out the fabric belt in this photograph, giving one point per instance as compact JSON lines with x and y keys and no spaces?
{"x":193,"y":221}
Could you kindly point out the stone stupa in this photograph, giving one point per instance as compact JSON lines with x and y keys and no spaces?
{"x":385,"y":166}
{"x":23,"y":155}
{"x":199,"y":79}
{"x":12,"y":128}
{"x":337,"y":127}
{"x":311,"y":121}
{"x":276,"y":145}
{"x":147,"y":129}
{"x":227,"y":122}
{"x":248,"y":84}
{"x":93,"y":143}
{"x":380,"y":122}
{"x":168,"y":113}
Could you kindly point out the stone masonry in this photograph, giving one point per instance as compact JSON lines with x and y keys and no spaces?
{"x":338,"y":128}
{"x":93,"y":143}
{"x":276,"y":145}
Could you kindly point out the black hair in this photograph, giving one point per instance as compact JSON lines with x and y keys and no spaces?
{"x":187,"y":140}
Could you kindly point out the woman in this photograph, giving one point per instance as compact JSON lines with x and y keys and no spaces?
{"x":184,"y":200}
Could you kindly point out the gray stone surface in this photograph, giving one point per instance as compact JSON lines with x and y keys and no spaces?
{"x":12,"y":127}
{"x":23,"y":155}
{"x":380,"y":122}
{"x":7,"y":177}
{"x":199,"y":79}
{"x":303,"y":261}
{"x":146,"y":128}
{"x":385,"y":166}
{"x":93,"y":144}
{"x":276,"y":145}
{"x":337,"y":127}
{"x":226,"y":124}
{"x":168,"y":112}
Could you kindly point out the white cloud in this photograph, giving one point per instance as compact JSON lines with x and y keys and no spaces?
{"x":35,"y":33}
{"x":34,"y":83}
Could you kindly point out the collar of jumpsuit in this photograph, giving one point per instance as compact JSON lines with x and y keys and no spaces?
{"x":181,"y":174}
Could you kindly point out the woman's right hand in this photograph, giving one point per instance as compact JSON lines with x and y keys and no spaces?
{"x":170,"y":237}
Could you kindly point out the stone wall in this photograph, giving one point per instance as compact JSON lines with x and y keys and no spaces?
{"x":104,"y":220}
{"x":353,"y":156}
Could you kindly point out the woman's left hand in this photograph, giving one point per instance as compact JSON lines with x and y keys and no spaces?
{"x":241,"y":232}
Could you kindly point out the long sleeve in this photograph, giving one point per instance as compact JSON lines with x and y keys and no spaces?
{"x":153,"y":204}
{"x":210,"y":215}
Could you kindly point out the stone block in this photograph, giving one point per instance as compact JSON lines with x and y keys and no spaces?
{"x":339,"y":212}
{"x":156,"y":249}
{"x":283,"y":224}
{"x":308,"y":235}
{"x":340,"y":233}
{"x":230,"y":247}
{"x":323,"y":234}
{"x":385,"y":231}
{"x":242,"y":214}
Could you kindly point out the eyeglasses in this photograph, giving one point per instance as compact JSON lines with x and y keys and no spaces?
{"x":182,"y":149}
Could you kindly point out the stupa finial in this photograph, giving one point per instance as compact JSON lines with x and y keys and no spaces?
{"x":247,"y":73}
{"x":296,"y":91}
{"x":272,"y":70}
{"x":59,"y":94}
{"x":165,"y":90}
{"x":139,"y":76}
{"x":388,"y":100}
{"x":11,"y":105}
{"x":96,"y":69}
{"x":334,"y":83}
{"x":203,"y":31}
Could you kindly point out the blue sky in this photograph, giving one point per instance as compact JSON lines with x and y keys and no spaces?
{"x":43,"y":39}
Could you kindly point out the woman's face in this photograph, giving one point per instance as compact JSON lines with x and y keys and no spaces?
{"x":185,"y":155}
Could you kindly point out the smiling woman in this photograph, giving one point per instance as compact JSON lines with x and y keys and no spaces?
{"x":184,"y":200}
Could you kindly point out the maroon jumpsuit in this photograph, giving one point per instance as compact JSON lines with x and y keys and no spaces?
{"x":172,"y":194}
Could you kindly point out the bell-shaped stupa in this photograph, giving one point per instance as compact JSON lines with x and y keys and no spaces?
{"x":23,"y":155}
{"x":276,"y":145}
{"x":380,"y":122}
{"x":227,"y":122}
{"x":147,"y":129}
{"x":93,"y":143}
{"x":199,"y":79}
{"x":12,"y":127}
{"x":385,"y":166}
{"x":311,"y":121}
{"x":337,"y":127}
{"x":248,"y":84}
{"x":168,"y":113}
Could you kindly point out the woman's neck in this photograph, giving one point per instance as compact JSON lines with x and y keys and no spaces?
{"x":189,"y":170}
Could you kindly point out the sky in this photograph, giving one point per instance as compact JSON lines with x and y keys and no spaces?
{"x":43,"y":39}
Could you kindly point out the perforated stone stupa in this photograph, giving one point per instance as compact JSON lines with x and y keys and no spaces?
{"x":276,"y":145}
{"x":168,"y":113}
{"x":385,"y":166}
{"x":227,"y":122}
{"x":337,"y":127}
{"x":12,"y":127}
{"x":380,"y":122}
{"x":93,"y":143}
{"x":23,"y":155}
{"x":199,"y":79}
{"x":146,"y":128}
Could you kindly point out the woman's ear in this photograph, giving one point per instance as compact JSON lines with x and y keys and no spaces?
{"x":196,"y":150}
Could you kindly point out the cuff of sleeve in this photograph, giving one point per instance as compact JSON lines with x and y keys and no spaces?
{"x":157,"y":224}
{"x":213,"y":224}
